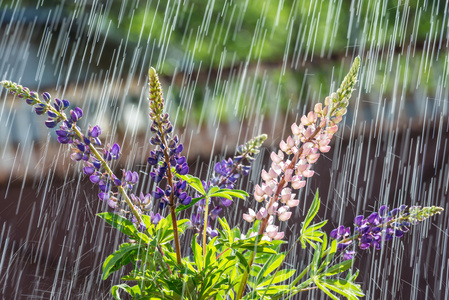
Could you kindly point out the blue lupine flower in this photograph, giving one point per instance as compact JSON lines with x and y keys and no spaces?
{"x":228,"y":172}
{"x":70,"y":133}
{"x":380,"y":227}
{"x":167,"y":154}
{"x":155,"y":218}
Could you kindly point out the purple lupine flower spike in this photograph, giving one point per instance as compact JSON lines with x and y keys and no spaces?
{"x":168,"y":150}
{"x":82,"y":145}
{"x":380,"y":227}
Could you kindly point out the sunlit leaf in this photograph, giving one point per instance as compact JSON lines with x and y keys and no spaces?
{"x":340,"y":267}
{"x":119,"y":222}
{"x":280,"y":276}
{"x":192,"y":203}
{"x":119,"y":258}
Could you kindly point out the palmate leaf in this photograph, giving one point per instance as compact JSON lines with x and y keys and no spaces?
{"x":271,"y":264}
{"x":226,"y":228}
{"x":313,"y":210}
{"x":279,"y":277}
{"x":325,"y":290}
{"x":193,"y":181}
{"x":339,"y":268}
{"x":343,"y":287}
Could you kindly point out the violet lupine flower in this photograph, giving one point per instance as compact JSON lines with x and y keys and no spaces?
{"x":227,"y":173}
{"x":291,"y":165}
{"x":168,"y":151}
{"x":380,"y":227}
{"x":70,"y":133}
{"x":230,"y":170}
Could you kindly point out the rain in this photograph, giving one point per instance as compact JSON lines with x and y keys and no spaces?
{"x":230,"y":70}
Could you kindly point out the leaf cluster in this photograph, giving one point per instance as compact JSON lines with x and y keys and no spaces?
{"x":217,"y":275}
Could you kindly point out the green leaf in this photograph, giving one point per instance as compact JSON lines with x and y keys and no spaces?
{"x":339,"y":268}
{"x":133,"y":291}
{"x":324,"y":289}
{"x":119,"y":258}
{"x":343,"y":287}
{"x":317,"y":226}
{"x":324,"y":245}
{"x":164,"y":230}
{"x":280,"y":276}
{"x":331,"y":252}
{"x":197,"y":253}
{"x":313,"y":210}
{"x":150,"y":226}
{"x":228,"y":194}
{"x":309,"y":234}
{"x":119,"y":222}
{"x":142,"y":237}
{"x":251,"y":245}
{"x":273,"y":290}
{"x":226,"y":228}
{"x":212,"y":190}
{"x":194,"y":182}
{"x":221,"y":195}
{"x":315,"y":261}
{"x":211,"y":253}
{"x":242,"y":260}
{"x":273,"y":263}
{"x":192,"y":203}
{"x":351,"y":277}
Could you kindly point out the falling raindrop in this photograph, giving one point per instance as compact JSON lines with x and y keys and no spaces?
{"x":230,"y":70}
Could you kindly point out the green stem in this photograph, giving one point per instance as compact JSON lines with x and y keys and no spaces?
{"x":222,"y":253}
{"x":245,"y":276}
{"x":206,"y":213}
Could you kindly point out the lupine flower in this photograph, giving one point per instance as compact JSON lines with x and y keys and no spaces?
{"x":292,"y":164}
{"x":82,"y":146}
{"x":155,"y":218}
{"x":168,"y":151}
{"x":227,"y":173}
{"x":380,"y":227}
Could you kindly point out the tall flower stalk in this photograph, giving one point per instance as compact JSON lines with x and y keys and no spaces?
{"x":309,"y":138}
{"x":380,"y":227}
{"x":165,"y":157}
{"x":84,"y":146}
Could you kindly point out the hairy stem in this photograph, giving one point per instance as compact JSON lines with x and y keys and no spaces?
{"x":171,"y":199}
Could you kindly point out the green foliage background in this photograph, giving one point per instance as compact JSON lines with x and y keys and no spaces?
{"x":244,"y":57}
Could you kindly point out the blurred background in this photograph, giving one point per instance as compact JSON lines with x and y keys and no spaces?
{"x":230,"y":70}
